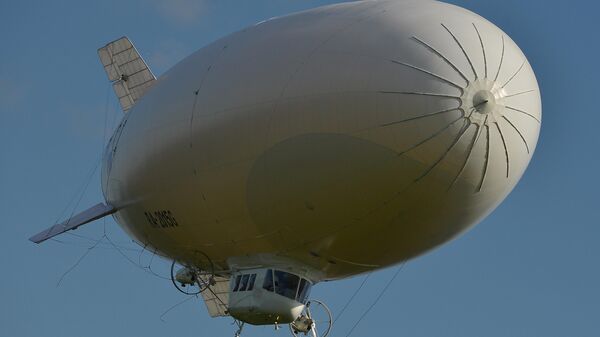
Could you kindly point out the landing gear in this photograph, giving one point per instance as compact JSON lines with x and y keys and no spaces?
{"x":315,"y":313}
{"x":240,"y":325}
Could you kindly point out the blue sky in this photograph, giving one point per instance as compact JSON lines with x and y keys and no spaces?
{"x":530,"y":269}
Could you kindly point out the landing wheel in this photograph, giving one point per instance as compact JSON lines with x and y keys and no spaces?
{"x":315,"y":319}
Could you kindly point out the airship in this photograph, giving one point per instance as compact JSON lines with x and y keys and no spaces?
{"x":315,"y":147}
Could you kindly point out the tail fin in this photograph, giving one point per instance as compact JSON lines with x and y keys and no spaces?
{"x":126,"y":69}
{"x":87,"y":216}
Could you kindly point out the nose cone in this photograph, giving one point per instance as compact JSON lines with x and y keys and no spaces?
{"x":466,"y":110}
{"x":474,"y":98}
{"x":434,"y":117}
{"x":460,"y":106}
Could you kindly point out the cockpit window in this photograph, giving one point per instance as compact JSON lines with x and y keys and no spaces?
{"x":244,"y":282}
{"x":303,"y":291}
{"x":251,"y":282}
{"x":286,"y":284}
{"x":237,"y":283}
{"x":268,"y":282}
{"x":282,"y":283}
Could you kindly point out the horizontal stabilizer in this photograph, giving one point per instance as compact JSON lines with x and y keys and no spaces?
{"x":87,"y":216}
{"x":127,"y":71}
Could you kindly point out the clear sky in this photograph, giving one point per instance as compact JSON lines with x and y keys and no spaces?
{"x":530,"y":269}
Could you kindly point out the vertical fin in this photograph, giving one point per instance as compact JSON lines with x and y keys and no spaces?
{"x":127,"y":71}
{"x":216,"y":297}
